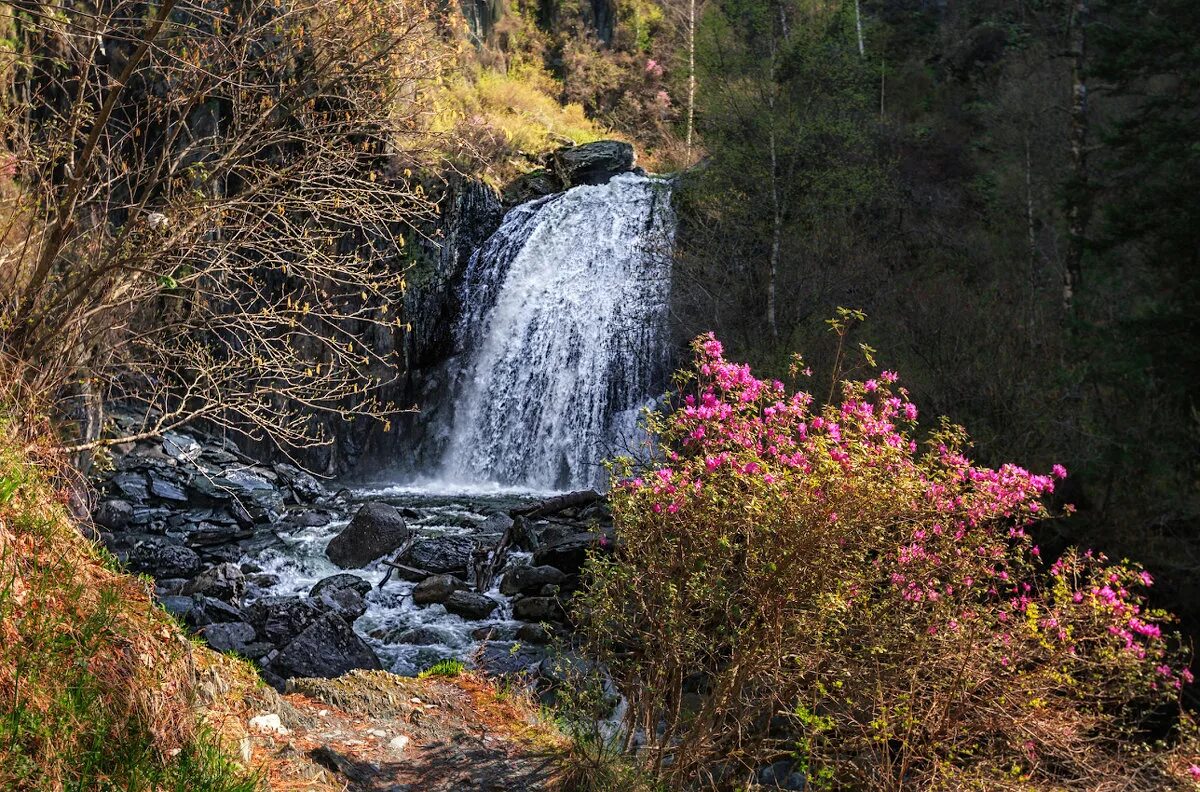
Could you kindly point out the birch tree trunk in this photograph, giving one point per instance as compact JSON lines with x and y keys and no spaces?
{"x":862,"y":49}
{"x":691,"y":99}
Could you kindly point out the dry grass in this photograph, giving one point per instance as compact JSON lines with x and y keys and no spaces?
{"x":97,"y":684}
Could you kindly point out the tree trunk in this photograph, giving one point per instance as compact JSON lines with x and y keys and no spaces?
{"x":1078,"y":201}
{"x":691,"y":98}
{"x":862,"y":49}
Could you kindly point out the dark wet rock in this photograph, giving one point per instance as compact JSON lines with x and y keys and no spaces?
{"x":167,"y":490}
{"x":228,"y":636}
{"x":207,"y":534}
{"x":132,"y":484}
{"x":570,"y":553}
{"x":113,"y":514}
{"x":260,"y":581}
{"x":528,"y":186}
{"x":149,"y":517}
{"x":310,"y":519}
{"x":537,"y":609}
{"x":496,"y":524}
{"x":160,"y":557}
{"x":376,"y":530}
{"x":441,"y":553}
{"x":206,"y":610}
{"x":437,"y":588}
{"x":781,"y":775}
{"x":345,"y":602}
{"x":523,"y":534}
{"x":509,"y":657}
{"x":176,"y":604}
{"x":224,"y":582}
{"x":181,"y":447}
{"x":279,"y":619}
{"x":470,"y":605}
{"x":529,"y":579}
{"x":341,"y":581}
{"x":593,"y":163}
{"x":304,"y":487}
{"x":326,"y":648}
{"x":534,"y":634}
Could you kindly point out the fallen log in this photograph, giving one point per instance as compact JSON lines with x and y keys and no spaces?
{"x":395,"y":566}
{"x":559,"y":503}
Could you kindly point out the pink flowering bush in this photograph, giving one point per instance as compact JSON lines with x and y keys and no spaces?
{"x":807,"y":581}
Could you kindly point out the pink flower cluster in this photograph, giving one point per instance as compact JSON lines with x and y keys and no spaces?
{"x":959,"y":553}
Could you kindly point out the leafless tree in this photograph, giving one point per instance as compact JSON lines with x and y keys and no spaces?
{"x":207,"y":204}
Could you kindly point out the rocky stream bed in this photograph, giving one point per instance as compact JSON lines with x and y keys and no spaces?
{"x":307,"y":581}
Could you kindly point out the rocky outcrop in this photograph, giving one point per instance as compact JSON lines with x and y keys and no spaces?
{"x":592,"y":163}
{"x":377,"y":529}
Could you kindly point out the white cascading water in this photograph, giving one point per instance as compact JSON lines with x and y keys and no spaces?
{"x":563,"y":335}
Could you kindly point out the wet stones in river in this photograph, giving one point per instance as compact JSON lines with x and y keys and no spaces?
{"x":342,"y":594}
{"x":538,"y":609}
{"x":328,"y":647}
{"x":304,"y":488}
{"x":441,"y":553}
{"x":236,"y":637}
{"x":470,"y":605}
{"x":530,"y":579}
{"x":436,"y":589}
{"x":280,"y":619}
{"x":570,"y":552}
{"x":429,"y":635}
{"x":223,"y":582}
{"x":206,"y":610}
{"x":376,"y":530}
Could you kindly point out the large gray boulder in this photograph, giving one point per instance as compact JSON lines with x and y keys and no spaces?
{"x":470,"y":605}
{"x":528,"y":579}
{"x":441,"y":553}
{"x":224,"y":582}
{"x":326,"y":648}
{"x":376,"y":530}
{"x":437,"y":588}
{"x":593,"y":163}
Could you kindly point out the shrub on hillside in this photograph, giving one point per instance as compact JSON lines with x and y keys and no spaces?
{"x":795,"y":580}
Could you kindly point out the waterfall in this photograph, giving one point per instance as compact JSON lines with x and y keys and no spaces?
{"x":562,"y":335}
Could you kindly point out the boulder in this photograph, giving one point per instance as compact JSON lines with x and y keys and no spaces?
{"x":376,"y":530}
{"x":228,"y":636}
{"x":496,"y":524}
{"x":441,"y":553}
{"x":326,"y":648}
{"x":507,"y":657}
{"x":343,"y":580}
{"x":532,"y":185}
{"x":537,"y":609}
{"x":133,"y":485}
{"x":533,"y":634}
{"x":176,"y":604}
{"x":593,"y":163}
{"x":304,"y":487}
{"x":436,"y":589}
{"x":113,"y":514}
{"x":206,"y":610}
{"x":159,"y":557}
{"x":569,"y":552}
{"x":181,"y":447}
{"x":470,"y":605}
{"x":528,"y":579}
{"x":345,"y":602}
{"x":166,"y":489}
{"x":224,"y":582}
{"x":210,"y":534}
{"x":280,"y":619}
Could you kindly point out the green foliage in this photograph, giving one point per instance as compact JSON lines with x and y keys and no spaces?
{"x":447,"y":667}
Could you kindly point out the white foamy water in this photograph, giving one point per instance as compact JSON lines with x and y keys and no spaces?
{"x":564,"y":336}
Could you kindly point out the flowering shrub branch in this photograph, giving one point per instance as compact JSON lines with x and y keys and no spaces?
{"x":803,"y":580}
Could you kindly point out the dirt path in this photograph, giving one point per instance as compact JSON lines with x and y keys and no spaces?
{"x":376,"y":732}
